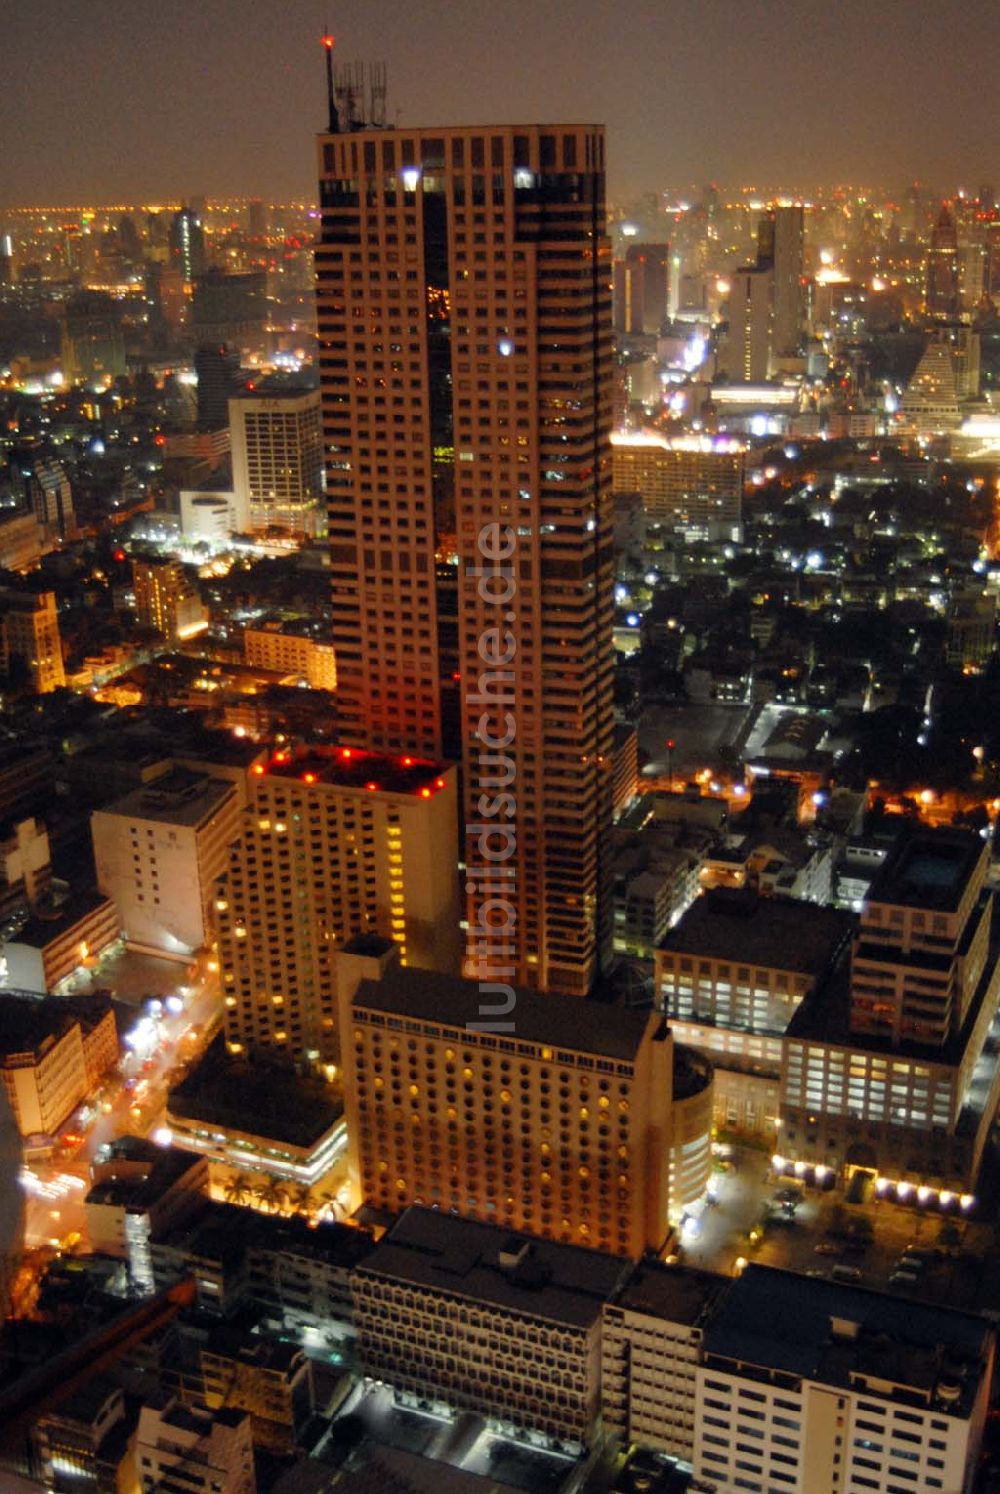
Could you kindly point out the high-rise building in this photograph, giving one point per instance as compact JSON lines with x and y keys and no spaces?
{"x":165,"y":598}
{"x":52,"y":499}
{"x":930,"y":403}
{"x":688,"y":483}
{"x":941,"y":294}
{"x":217,"y":369}
{"x":230,"y":308}
{"x":257,"y":218}
{"x":645,"y":288}
{"x":745,"y":355}
{"x":31,"y":634}
{"x":93,"y":347}
{"x":574,"y":1123}
{"x":334,"y":843}
{"x":466,"y":362}
{"x":786,"y":227}
{"x":186,"y":240}
{"x":277,"y":454}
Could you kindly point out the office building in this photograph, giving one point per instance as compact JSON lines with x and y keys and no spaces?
{"x":745,"y":355}
{"x":799,"y":1375}
{"x":230,"y":308}
{"x":781,"y":244}
{"x":166,"y":600}
{"x":217,"y":369}
{"x":487,"y":1321}
{"x":53,"y":1051}
{"x":334,"y":843}
{"x":942,"y":299}
{"x":277,"y":454}
{"x":650,"y":1350}
{"x":570,"y":1121}
{"x":930,"y":404}
{"x":466,"y":367}
{"x":730,"y":975}
{"x":159,"y":851}
{"x":690,"y":484}
{"x":31,"y":629}
{"x":202,"y":1452}
{"x":297,"y":653}
{"x":52,"y":500}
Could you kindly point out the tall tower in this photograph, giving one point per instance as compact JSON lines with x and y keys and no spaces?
{"x":942,"y":287}
{"x":788,"y":258}
{"x":464,"y":308}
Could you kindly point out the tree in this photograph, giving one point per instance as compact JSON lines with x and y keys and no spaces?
{"x":240,"y":1190}
{"x":273,"y":1195}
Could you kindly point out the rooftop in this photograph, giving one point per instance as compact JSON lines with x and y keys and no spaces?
{"x":831,"y":1332}
{"x":678,"y":1294}
{"x":928,"y":869}
{"x":255,"y":1098}
{"x":27,"y":1022}
{"x":783,"y":933}
{"x":350,"y":767}
{"x":134,"y":1173}
{"x":557,"y":1021}
{"x":48,"y":925}
{"x":178,"y":797}
{"x":225,"y":1232}
{"x":563,"y":1283}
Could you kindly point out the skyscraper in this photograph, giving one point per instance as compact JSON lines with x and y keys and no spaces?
{"x":466,"y":364}
{"x":186,"y":238}
{"x":786,"y":232}
{"x":645,"y":286}
{"x":941,"y":297}
{"x":277,"y":451}
{"x":746,"y":352}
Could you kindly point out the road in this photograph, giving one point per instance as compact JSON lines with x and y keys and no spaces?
{"x":133,"y":1100}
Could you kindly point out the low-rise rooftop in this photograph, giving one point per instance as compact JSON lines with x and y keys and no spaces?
{"x":462,"y":1258}
{"x":928,"y":869}
{"x":776,"y":932}
{"x":677,"y":1294}
{"x":350,"y":767}
{"x":178,"y":797}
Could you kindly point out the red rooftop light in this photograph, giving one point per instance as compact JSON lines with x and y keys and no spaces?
{"x":309,"y":778}
{"x":371,"y":785}
{"x":440,"y":783}
{"x":258,"y":768}
{"x":425,"y":793}
{"x":407,"y":762}
{"x":345,"y":752}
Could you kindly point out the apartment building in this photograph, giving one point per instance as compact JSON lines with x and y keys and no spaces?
{"x":688,"y":483}
{"x":58,"y":939}
{"x":31,"y":632}
{"x":488,"y":1321}
{"x":277,"y":646}
{"x":166,"y":599}
{"x":139,"y":1189}
{"x":335,"y":843}
{"x":159,"y":851}
{"x":277,"y":453}
{"x":573,"y":1122}
{"x":803,"y":1379}
{"x":180,"y":1447}
{"x":52,"y":1050}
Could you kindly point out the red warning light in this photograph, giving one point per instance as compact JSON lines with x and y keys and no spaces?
{"x":407,"y":762}
{"x":345,"y":753}
{"x":119,"y":554}
{"x":371,"y":786}
{"x":327,"y":41}
{"x":440,"y":783}
{"x":309,"y":778}
{"x":258,"y":768}
{"x":160,"y":440}
{"x":670,"y":744}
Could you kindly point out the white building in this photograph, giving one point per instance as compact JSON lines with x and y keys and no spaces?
{"x":202,"y":1452}
{"x":809,"y":1385}
{"x":158,"y":853}
{"x":277,"y":453}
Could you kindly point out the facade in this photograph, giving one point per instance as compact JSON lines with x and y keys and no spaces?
{"x":560,"y":1123}
{"x":57,"y":940}
{"x":799,"y":1374}
{"x":745,"y":357}
{"x":185,"y":1448}
{"x":334,"y":843}
{"x":165,"y":599}
{"x":942,"y":297}
{"x":467,"y":1313}
{"x":159,"y":852}
{"x":466,"y":365}
{"x":890,"y":1072}
{"x":782,"y":243}
{"x":277,"y":453}
{"x":930,"y":405}
{"x":51,"y":1053}
{"x":25,"y":866}
{"x":31,"y":630}
{"x":81,"y":1446}
{"x":688,"y":483}
{"x":138,"y":1190}
{"x":645,"y":287}
{"x":270,"y":1380}
{"x":651,"y":1347}
{"x":274,"y":646}
{"x":730,"y":975}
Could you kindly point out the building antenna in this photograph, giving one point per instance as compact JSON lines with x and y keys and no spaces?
{"x":333,"y":122}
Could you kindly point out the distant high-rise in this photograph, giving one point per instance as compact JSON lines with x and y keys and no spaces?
{"x":186,"y":239}
{"x":786,"y":235}
{"x":277,"y":453}
{"x":93,"y":346}
{"x":257,"y":218}
{"x":217,"y":369}
{"x":746,"y":352}
{"x":941,"y":296}
{"x":645,"y":288}
{"x":466,"y":362}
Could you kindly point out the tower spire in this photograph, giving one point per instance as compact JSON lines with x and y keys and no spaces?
{"x":333,"y":122}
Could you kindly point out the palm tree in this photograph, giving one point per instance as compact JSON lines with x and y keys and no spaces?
{"x":239,"y":1190}
{"x":298,"y":1196}
{"x":273,"y":1195}
{"x":330,"y":1207}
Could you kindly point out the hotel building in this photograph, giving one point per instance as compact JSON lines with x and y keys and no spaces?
{"x":464,"y":311}
{"x":576,"y":1122}
{"x":334,"y":843}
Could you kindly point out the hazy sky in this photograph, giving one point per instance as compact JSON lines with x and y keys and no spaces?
{"x":118,"y":100}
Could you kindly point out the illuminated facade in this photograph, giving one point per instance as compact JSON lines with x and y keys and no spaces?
{"x":271,"y":646}
{"x":165,"y":599}
{"x":277,"y":453}
{"x":561,"y":1123}
{"x":334,"y":843}
{"x":691,"y":483}
{"x":31,"y":630}
{"x":466,"y":367}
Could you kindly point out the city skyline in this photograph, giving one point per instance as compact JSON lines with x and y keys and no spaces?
{"x":207,"y":104}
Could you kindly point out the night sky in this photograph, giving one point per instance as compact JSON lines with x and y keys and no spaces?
{"x":120,"y":100}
